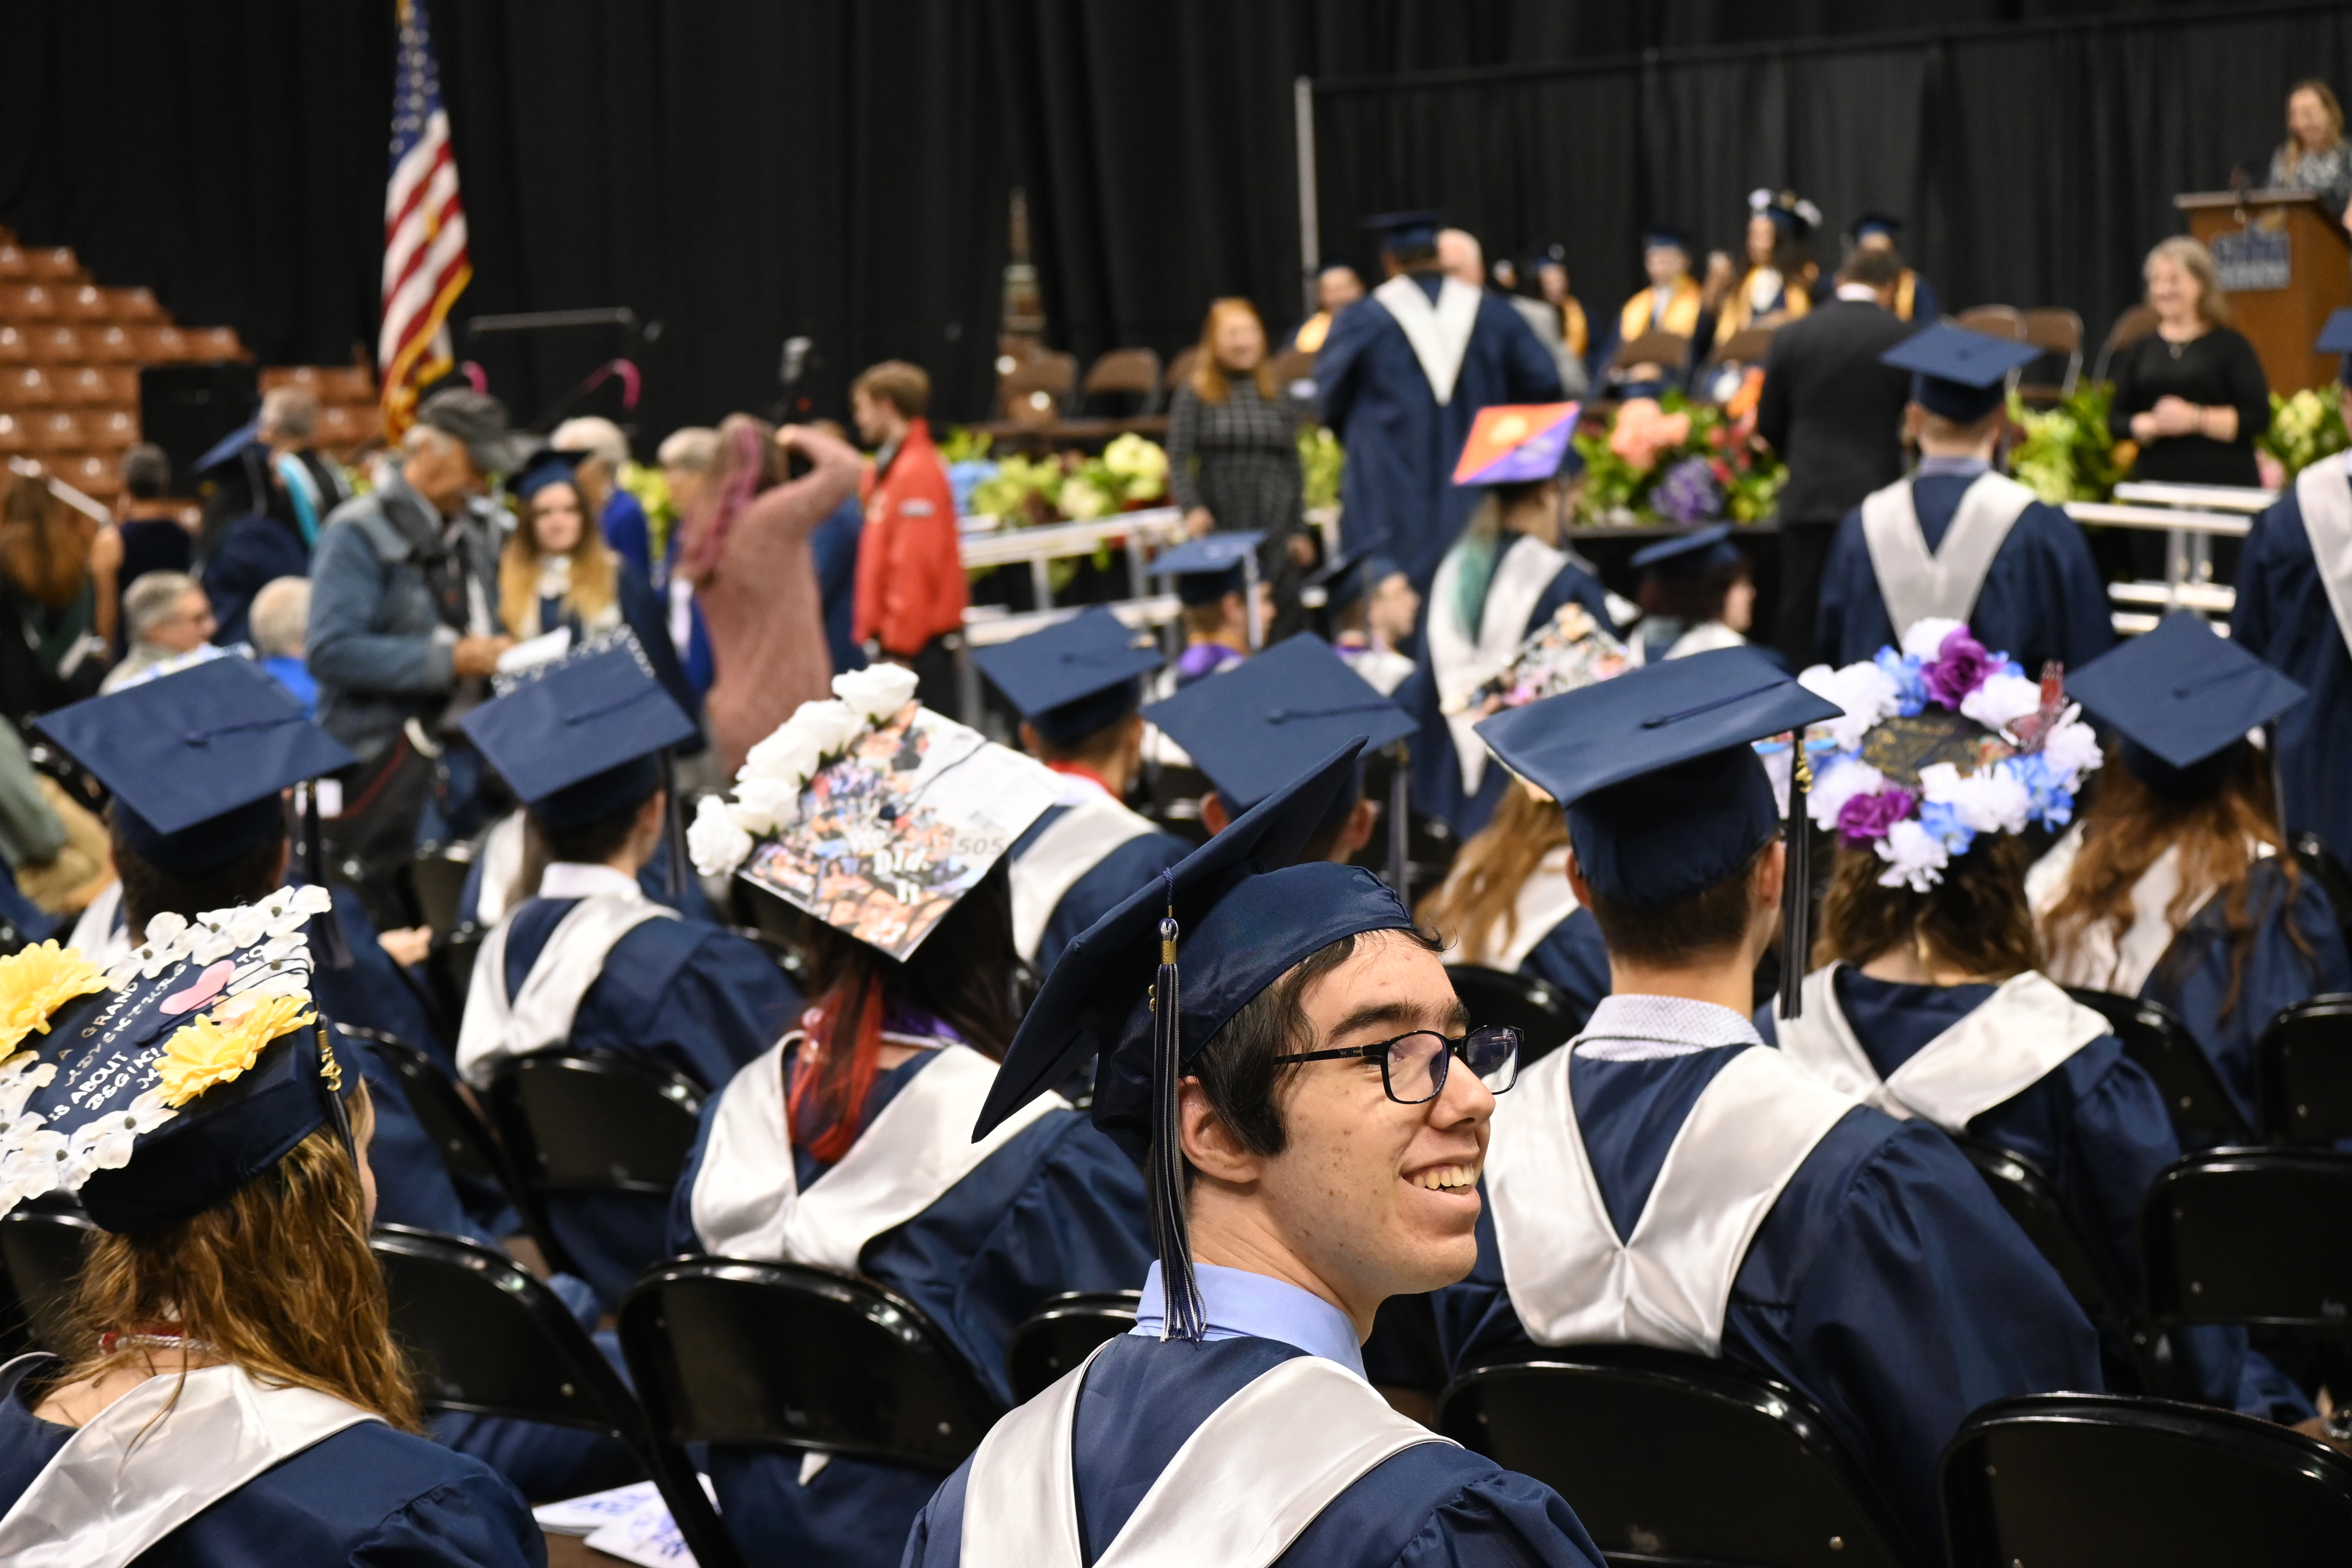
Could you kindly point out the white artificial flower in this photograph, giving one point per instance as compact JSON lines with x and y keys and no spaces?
{"x":247,"y":927}
{"x":767,"y":805}
{"x":164,"y":929}
{"x":830,"y":725}
{"x":1991,"y":800}
{"x":787,"y":757}
{"x":32,"y":1163}
{"x":879,"y":690}
{"x":2072,"y":749}
{"x":1865,"y":693}
{"x":717,"y":841}
{"x":126,"y":970}
{"x":1925,"y":640}
{"x":1915,"y":858}
{"x":312,"y":899}
{"x":1840,"y":782}
{"x":104,"y":1142}
{"x":2001,"y":701}
{"x":211,"y":946}
{"x":24,"y":1073}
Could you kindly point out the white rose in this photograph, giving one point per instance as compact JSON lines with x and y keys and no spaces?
{"x":879,"y":691}
{"x":2002,"y":700}
{"x":717,"y":841}
{"x":767,"y":805}
{"x":1925,"y":640}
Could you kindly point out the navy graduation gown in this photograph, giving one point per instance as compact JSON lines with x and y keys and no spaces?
{"x":1436,"y":768}
{"x":2283,"y":618}
{"x":654,"y":878}
{"x":2042,"y":598}
{"x":1060,"y":1208}
{"x":367,"y":1495}
{"x":1432,"y":1504}
{"x":695,"y":999}
{"x":1398,"y":489}
{"x":1102,"y":888}
{"x":1574,"y":962}
{"x":1886,"y":1285}
{"x":2192,"y":978}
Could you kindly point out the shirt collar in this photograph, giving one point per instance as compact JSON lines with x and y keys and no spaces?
{"x":1861,"y":293}
{"x":573,"y":879}
{"x":1959,"y":467}
{"x":1242,"y":1305}
{"x":1641,"y":1028}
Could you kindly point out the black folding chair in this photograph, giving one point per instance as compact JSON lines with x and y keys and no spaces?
{"x":1529,"y":1005}
{"x":2032,"y":1201}
{"x":1674,"y":1460}
{"x":2321,"y":866}
{"x":780,"y":951}
{"x":2053,"y":1479}
{"x":2204,"y":1116}
{"x":484,"y":1336}
{"x":449,"y":971}
{"x":468,"y":1148}
{"x":591,"y":1123}
{"x":2252,"y":1235}
{"x":41,"y":1247}
{"x":1063,"y":1332}
{"x":438,"y":877}
{"x":795,"y":1359}
{"x":2302,"y":1070}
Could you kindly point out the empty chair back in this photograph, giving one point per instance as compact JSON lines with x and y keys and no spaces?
{"x":2303,"y":1066}
{"x":1128,"y":376}
{"x":449,"y":970}
{"x":2252,"y":1235}
{"x":467,"y":1147}
{"x":1291,"y":366}
{"x":1527,"y":1003}
{"x":594,"y":1123}
{"x":1671,"y":1458}
{"x":41,"y":1248}
{"x":789,"y":1356}
{"x":2063,"y":1478}
{"x":1063,"y":1332}
{"x":2130,"y":327}
{"x":2203,"y":1114}
{"x":2058,"y":333}
{"x":2318,"y":863}
{"x":1995,"y":321}
{"x":438,"y":874}
{"x":1036,"y":391}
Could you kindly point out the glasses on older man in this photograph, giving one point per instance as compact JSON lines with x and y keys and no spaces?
{"x":1414,"y":1066}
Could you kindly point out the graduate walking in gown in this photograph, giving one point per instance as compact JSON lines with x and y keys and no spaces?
{"x":1288,"y":1204}
{"x":1400,"y":379}
{"x":1078,"y":687}
{"x":1507,"y":578}
{"x":1865,"y":1264}
{"x":2294,"y":614}
{"x":1505,"y":904}
{"x":2175,"y":884}
{"x":231,"y":1394}
{"x":1931,"y":1003}
{"x":1955,"y":540}
{"x":591,"y":964}
{"x":849,"y":1146}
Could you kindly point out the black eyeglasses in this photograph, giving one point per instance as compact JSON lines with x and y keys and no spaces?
{"x":1414,"y":1066}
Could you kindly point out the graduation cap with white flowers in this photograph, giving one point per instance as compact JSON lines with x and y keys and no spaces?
{"x":871,"y":811}
{"x":1234,"y":916}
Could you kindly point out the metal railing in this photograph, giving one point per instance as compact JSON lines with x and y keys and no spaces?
{"x":2190,"y":517}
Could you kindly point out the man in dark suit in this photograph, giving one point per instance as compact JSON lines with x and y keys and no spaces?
{"x":1834,"y":413}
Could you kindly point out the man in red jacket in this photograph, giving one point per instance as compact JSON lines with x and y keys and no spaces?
{"x":910,"y":584}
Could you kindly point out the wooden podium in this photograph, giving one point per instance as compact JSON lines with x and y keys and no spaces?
{"x":2287,"y":265}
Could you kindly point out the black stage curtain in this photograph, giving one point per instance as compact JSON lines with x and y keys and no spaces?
{"x":742,"y":171}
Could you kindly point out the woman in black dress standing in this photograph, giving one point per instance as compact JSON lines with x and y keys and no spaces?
{"x":1233,"y":453}
{"x":2191,"y":393}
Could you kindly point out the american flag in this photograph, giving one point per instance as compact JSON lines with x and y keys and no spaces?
{"x":425,"y":266}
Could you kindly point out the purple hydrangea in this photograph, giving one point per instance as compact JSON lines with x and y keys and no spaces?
{"x":1688,"y":493}
{"x":1961,"y":666}
{"x":1865,"y":818}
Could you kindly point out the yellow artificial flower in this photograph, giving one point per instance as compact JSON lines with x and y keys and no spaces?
{"x":211,"y":1049}
{"x":35,"y":981}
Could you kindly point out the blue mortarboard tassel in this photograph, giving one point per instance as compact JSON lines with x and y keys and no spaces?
{"x":1796,"y":891}
{"x":1183,"y":1315}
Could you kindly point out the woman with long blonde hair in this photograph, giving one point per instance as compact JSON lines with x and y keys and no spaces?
{"x":1507,"y":905}
{"x":2314,"y":156}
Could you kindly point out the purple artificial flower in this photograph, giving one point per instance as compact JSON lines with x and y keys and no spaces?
{"x":1688,"y":493}
{"x":1961,"y":666}
{"x":1865,"y":818}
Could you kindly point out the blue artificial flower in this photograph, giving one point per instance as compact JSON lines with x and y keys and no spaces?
{"x":2052,"y":803}
{"x":1938,"y":818}
{"x":1910,"y":686}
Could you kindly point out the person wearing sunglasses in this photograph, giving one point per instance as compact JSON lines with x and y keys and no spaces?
{"x":1282,"y":1051}
{"x":1665,"y":1179}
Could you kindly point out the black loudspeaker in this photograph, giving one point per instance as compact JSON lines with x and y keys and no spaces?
{"x":185,"y":408}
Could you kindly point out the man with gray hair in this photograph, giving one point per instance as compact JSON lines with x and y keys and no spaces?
{"x":280,"y":621}
{"x":165,"y":614}
{"x":404,"y":619}
{"x":604,"y":453}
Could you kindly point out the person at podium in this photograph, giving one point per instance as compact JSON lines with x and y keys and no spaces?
{"x":2191,"y":393}
{"x":2315,"y":157}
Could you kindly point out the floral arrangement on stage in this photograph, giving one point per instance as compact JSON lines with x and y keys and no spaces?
{"x":1941,"y":740}
{"x":1321,"y":460}
{"x":1023,"y":491}
{"x":1671,"y":460}
{"x":2066,"y":453}
{"x":2303,"y":428}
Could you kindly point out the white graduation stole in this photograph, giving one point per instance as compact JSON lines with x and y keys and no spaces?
{"x":1460,"y":665}
{"x":2323,"y":492}
{"x":1916,"y":585}
{"x":1545,"y":899}
{"x":747,"y":1201}
{"x":1571,"y":1280}
{"x":1245,"y":1484}
{"x":128,"y":1478}
{"x":2024,"y":1031}
{"x":538,"y":1017}
{"x":1068,"y":848}
{"x":1439,"y":333}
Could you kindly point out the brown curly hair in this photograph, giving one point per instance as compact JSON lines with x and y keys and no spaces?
{"x":1976,"y":920}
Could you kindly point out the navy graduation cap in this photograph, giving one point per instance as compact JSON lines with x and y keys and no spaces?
{"x":1664,"y":794}
{"x":1254,"y":728}
{"x":1875,"y":222}
{"x":1692,"y":555}
{"x":1208,"y":568}
{"x":544,"y":467}
{"x":2336,"y":338}
{"x":2183,"y":698}
{"x":1339,"y":583}
{"x":1665,"y":236}
{"x":1959,"y":373}
{"x":1072,"y":679}
{"x":580,"y":738}
{"x":197,"y":760}
{"x":1234,"y":916}
{"x":1407,"y":230}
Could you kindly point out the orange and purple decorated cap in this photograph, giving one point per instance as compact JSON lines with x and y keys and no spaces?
{"x":1513,"y":443}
